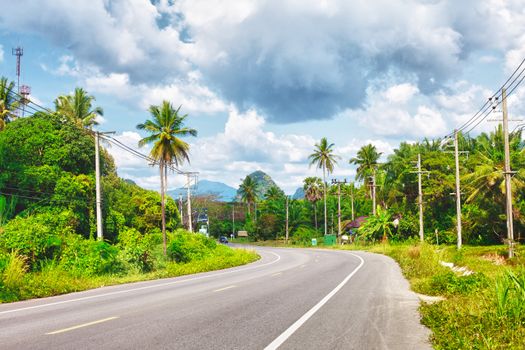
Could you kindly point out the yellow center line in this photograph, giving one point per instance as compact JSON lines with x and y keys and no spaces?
{"x":219,"y":290}
{"x":82,"y":325}
{"x":277,"y":274}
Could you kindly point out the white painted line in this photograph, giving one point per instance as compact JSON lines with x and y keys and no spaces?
{"x":82,"y":325}
{"x":277,"y":274}
{"x":143,"y":288}
{"x":221,"y":289}
{"x":291,"y":330}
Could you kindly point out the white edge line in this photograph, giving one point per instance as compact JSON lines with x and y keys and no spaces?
{"x":291,"y":330}
{"x":142,"y":288}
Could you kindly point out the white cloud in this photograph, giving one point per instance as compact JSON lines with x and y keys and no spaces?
{"x":401,"y":93}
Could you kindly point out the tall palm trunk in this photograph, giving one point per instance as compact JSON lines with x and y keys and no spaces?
{"x":162,"y":203}
{"x":325,"y":213}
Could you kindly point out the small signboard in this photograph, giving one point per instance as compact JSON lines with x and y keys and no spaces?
{"x":242,"y":234}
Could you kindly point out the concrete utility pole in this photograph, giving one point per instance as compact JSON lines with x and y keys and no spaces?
{"x":458,"y":190}
{"x":98,"y":200}
{"x":508,"y":174}
{"x":373,"y":189}
{"x":286,"y":220}
{"x":98,"y":195}
{"x":420,"y":196}
{"x":334,"y":181}
{"x":188,"y":185}
{"x":352,"y":198}
{"x":233,"y":219}
{"x":181,"y":211}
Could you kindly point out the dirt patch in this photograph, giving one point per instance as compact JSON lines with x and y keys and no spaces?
{"x":496,"y":259}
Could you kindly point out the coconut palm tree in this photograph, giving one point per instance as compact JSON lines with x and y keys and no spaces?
{"x":274,"y":193}
{"x":248,"y":191}
{"x":8,"y":102}
{"x":165,"y":127}
{"x":366,"y":161}
{"x":78,"y":108}
{"x":324,"y":158}
{"x":312,"y":193}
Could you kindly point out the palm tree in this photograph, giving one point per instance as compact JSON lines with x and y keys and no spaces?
{"x":324,"y":158}
{"x":8,"y":102}
{"x":78,"y":108}
{"x":273,"y":193}
{"x":366,"y":161}
{"x":312,"y":193}
{"x":248,"y":191}
{"x":165,"y":127}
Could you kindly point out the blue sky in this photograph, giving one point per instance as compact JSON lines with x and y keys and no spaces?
{"x":262,"y":80}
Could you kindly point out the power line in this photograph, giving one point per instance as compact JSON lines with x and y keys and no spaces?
{"x":481,"y":113}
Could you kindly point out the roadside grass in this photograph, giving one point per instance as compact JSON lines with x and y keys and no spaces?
{"x":483,"y":310}
{"x":52,"y":279}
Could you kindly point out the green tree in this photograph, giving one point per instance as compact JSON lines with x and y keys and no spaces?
{"x":248,"y":191}
{"x":78,"y":108}
{"x":8,"y":102}
{"x":367,"y":162}
{"x":165,"y":127}
{"x":377,"y":225}
{"x":324,"y":158}
{"x":313,"y":193}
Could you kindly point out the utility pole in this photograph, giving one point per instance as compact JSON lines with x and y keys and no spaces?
{"x":352,"y":198}
{"x":98,"y":200}
{"x":188,"y":185}
{"x":458,"y":190}
{"x":334,"y":181}
{"x":180,"y":211}
{"x":373,"y":190}
{"x":286,"y":241}
{"x":98,"y":192}
{"x":420,"y":196}
{"x":508,"y":174}
{"x":233,"y":219}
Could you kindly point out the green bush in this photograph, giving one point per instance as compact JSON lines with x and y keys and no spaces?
{"x":303,"y":235}
{"x":89,"y":258}
{"x":33,"y":237}
{"x":135,"y":248}
{"x":448,"y":283}
{"x":185,"y":247}
{"x":14,"y":272}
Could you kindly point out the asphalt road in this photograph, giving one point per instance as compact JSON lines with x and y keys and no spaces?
{"x":289,"y":299}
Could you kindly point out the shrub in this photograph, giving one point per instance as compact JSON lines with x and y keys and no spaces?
{"x":14,"y":271}
{"x":186,"y":247}
{"x":33,"y":238}
{"x":87,"y":257}
{"x":135,"y":248}
{"x":303,"y":235}
{"x":449,"y":283}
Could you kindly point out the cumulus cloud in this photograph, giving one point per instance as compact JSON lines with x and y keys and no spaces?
{"x":291,"y":60}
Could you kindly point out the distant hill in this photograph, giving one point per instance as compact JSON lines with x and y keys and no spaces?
{"x":223,"y":192}
{"x":299,"y":193}
{"x":264,"y":182}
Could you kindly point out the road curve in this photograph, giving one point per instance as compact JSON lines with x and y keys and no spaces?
{"x":289,"y":299}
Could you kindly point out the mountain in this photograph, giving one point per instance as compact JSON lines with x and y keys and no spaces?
{"x":299,"y":193}
{"x":223,"y":192}
{"x":264,"y":182}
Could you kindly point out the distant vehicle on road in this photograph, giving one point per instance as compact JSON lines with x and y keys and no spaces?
{"x":223,"y":239}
